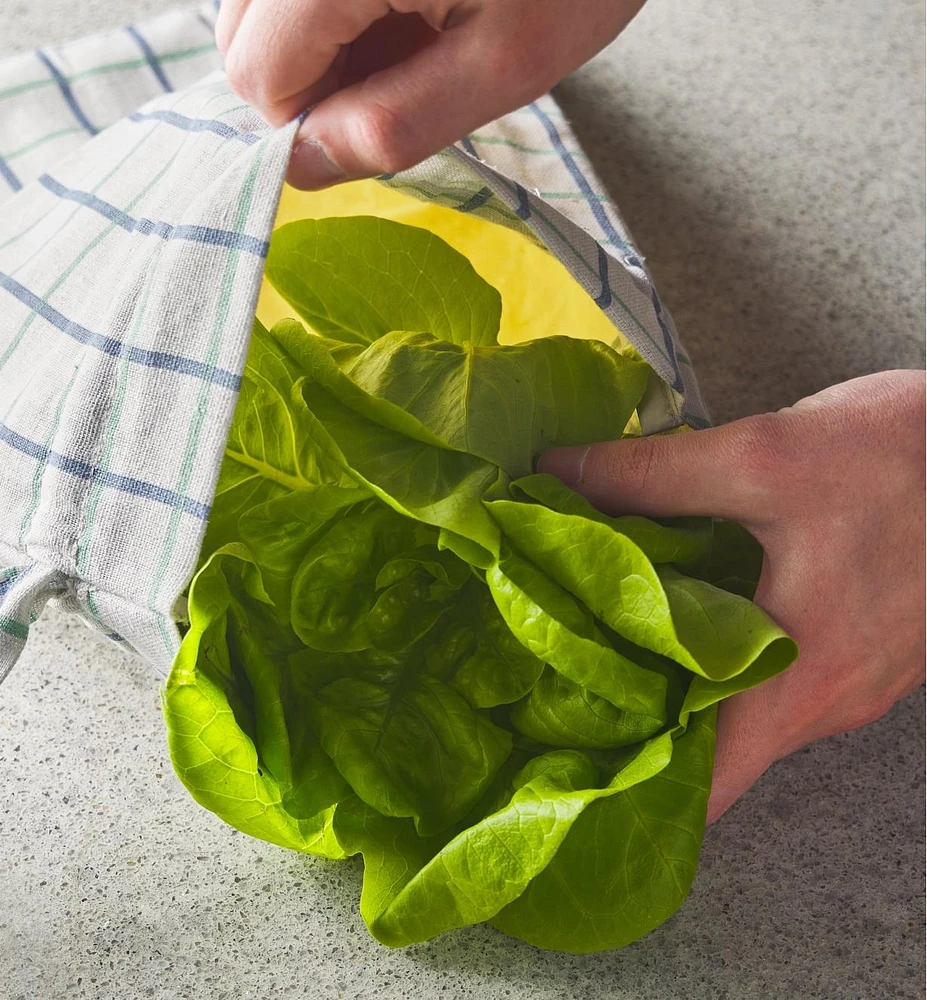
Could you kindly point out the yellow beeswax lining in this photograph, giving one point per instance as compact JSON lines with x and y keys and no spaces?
{"x":540,"y":298}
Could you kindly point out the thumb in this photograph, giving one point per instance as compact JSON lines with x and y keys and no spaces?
{"x":397,"y":117}
{"x":746,"y":745}
{"x":719,"y":472}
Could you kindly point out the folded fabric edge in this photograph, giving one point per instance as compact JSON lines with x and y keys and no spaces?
{"x":26,"y":587}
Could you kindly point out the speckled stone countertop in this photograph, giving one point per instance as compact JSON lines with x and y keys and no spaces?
{"x":769,"y":161}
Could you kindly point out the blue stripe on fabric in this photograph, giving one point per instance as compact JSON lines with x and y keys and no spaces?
{"x":700,"y":423}
{"x":83,"y":470}
{"x":148,"y":227}
{"x":6,"y":172}
{"x":150,"y":57}
{"x":669,"y":351}
{"x":65,"y":87}
{"x":592,"y":201}
{"x":115,"y":348}
{"x":11,"y":579}
{"x":610,"y":232}
{"x":604,"y":299}
{"x":469,"y":147}
{"x":631,"y":260}
{"x":677,"y":383}
{"x":523,"y":211}
{"x":195,"y":125}
{"x":476,"y":201}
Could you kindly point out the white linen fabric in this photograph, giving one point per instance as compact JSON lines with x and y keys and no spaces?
{"x":137,"y":199}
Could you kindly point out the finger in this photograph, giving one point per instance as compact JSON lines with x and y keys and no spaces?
{"x":763,"y":724}
{"x":399,"y":116}
{"x":720,"y":472}
{"x":743,"y":751}
{"x":282,"y":49}
{"x":230,"y":16}
{"x":750,"y":734}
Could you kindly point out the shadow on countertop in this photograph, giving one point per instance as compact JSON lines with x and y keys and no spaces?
{"x":810,"y":887}
{"x":777,"y":291}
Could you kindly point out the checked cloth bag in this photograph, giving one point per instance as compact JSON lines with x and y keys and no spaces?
{"x":137,"y":199}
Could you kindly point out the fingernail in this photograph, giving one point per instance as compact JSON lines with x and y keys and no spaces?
{"x":311,"y":167}
{"x":564,"y":463}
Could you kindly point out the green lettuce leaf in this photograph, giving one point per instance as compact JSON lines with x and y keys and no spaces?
{"x":237,"y":727}
{"x":273,"y":446}
{"x":686,"y":541}
{"x":620,"y":886}
{"x":358,"y":281}
{"x":409,"y":745}
{"x":714,"y":634}
{"x":506,"y":405}
{"x":403,"y":644}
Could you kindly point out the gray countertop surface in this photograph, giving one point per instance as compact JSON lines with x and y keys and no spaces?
{"x":768,"y":158}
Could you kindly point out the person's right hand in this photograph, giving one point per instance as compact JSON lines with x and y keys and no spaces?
{"x":395,"y":82}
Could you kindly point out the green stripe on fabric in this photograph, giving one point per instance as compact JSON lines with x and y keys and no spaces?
{"x":77,"y":208}
{"x":40,"y":467}
{"x":115,"y":67}
{"x":102,"y":462}
{"x":245,"y":200}
{"x":57,"y":134}
{"x":12,"y":627}
{"x":167,"y":630}
{"x":35,"y":493}
{"x":571,"y":195}
{"x":90,"y":600}
{"x":537,"y":213}
{"x":498,"y":140}
{"x":452,"y":199}
{"x":30,"y":319}
{"x":219,"y":96}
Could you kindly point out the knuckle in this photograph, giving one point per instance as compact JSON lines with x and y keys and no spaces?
{"x":860,"y":692}
{"x":763,"y":462}
{"x":242,"y":72}
{"x":225,"y":33}
{"x":884,"y":700}
{"x":390,"y":145}
{"x":255,"y":82}
{"x":864,"y":713}
{"x":627,"y":468}
{"x":761,"y":443}
{"x":520,"y":68}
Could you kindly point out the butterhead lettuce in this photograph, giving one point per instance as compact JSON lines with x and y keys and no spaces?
{"x":404,"y":644}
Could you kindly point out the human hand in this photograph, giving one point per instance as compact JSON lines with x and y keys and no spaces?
{"x":395,"y":82}
{"x":833,"y":489}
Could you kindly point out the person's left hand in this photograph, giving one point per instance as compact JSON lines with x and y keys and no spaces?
{"x":833,"y":489}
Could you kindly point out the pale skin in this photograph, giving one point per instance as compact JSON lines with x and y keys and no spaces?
{"x":832,"y":487}
{"x":393,"y":82}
